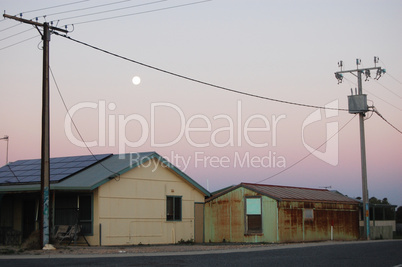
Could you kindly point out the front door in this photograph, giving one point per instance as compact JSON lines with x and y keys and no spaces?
{"x":199,"y":222}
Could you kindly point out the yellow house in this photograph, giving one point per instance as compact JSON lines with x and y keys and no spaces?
{"x":127,"y":199}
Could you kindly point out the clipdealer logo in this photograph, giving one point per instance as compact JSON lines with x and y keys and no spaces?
{"x":219,"y":131}
{"x":238,"y":131}
{"x":330,"y":155}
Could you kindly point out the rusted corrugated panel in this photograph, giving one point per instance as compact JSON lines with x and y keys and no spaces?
{"x":290,"y":222}
{"x":294,"y":227}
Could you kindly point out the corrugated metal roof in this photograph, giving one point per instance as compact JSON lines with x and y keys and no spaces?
{"x":100,"y":172}
{"x":288,"y":193}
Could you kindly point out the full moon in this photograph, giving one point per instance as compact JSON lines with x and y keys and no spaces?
{"x":136,"y":80}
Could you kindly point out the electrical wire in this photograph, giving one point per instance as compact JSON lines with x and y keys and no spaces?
{"x":112,"y":10}
{"x":86,"y":8}
{"x":309,"y":154}
{"x":115,"y":174}
{"x":378,"y":113}
{"x":199,"y":81}
{"x":2,"y":48}
{"x":383,"y":99}
{"x":389,"y":74}
{"x":5,"y":38}
{"x":389,"y":90}
{"x":394,"y":78}
{"x":45,"y":8}
{"x":139,"y":13}
{"x":11,"y":27}
{"x":8,"y":165}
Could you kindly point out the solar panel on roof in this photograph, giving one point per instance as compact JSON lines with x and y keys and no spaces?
{"x":58,"y":177}
{"x":81,"y":164}
{"x":55,"y":171}
{"x":2,"y":180}
{"x":28,"y":179}
{"x":60,"y":168}
{"x":55,"y":160}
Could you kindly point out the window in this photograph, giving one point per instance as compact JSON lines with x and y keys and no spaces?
{"x":71,"y":209}
{"x":253,"y":215}
{"x":308,"y":214}
{"x":85,"y":215}
{"x":173,"y":208}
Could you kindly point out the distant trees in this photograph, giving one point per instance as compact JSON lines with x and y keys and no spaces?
{"x":375,"y":200}
{"x":382,"y":213}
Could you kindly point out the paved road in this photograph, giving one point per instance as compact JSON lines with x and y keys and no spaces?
{"x":381,"y":253}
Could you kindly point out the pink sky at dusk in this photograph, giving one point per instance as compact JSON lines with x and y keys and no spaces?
{"x":277,"y":49}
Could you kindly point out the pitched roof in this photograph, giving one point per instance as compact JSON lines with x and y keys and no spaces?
{"x":104,"y":168}
{"x":288,"y":193}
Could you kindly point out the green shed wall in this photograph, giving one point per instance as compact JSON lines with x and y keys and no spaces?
{"x":225,"y":218}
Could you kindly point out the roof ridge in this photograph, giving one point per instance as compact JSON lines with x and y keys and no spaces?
{"x":285,"y":186}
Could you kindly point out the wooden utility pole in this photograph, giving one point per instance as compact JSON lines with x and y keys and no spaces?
{"x":45,"y":144}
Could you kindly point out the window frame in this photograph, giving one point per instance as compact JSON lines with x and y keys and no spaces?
{"x":174,"y":218}
{"x":308,"y":214}
{"x":249,"y":213}
{"x":75,"y":202}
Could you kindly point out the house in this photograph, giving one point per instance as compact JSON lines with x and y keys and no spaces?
{"x":268,"y":213}
{"x":137,"y":198}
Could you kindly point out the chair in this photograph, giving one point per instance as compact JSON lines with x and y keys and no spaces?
{"x":61,"y":231}
{"x":71,"y":234}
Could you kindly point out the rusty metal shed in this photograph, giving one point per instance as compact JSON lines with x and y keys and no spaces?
{"x":269,"y":213}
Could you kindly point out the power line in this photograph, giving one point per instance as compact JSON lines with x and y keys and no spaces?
{"x":389,"y":90}
{"x":10,"y":27}
{"x":86,"y":8}
{"x":5,"y":38}
{"x":378,"y":113}
{"x":107,"y":11}
{"x":45,"y":8}
{"x":199,"y":81}
{"x":394,"y":78}
{"x":75,"y":126}
{"x":309,"y":154}
{"x":142,"y":12}
{"x":8,"y":165}
{"x":2,"y":48}
{"x":383,"y":100}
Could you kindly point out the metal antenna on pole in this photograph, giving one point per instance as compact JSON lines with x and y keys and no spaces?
{"x":45,"y":150}
{"x":358,"y":105}
{"x":6,"y":138}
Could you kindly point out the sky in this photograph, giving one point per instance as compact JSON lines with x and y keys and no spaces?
{"x":281,"y":50}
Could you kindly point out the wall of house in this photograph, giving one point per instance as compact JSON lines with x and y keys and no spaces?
{"x":225,"y":218}
{"x":131,"y":209}
{"x":295,"y":227}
